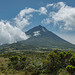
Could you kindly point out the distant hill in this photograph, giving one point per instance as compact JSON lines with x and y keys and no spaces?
{"x":41,"y":37}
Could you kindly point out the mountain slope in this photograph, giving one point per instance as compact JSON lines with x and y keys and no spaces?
{"x":41,"y":37}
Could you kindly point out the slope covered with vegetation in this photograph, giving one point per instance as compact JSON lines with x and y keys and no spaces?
{"x":38,"y":63}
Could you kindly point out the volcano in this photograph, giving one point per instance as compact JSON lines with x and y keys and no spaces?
{"x":41,"y":37}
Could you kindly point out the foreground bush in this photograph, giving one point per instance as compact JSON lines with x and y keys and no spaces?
{"x":72,"y":60}
{"x":70,"y":69}
{"x":17,"y":62}
{"x":55,"y":63}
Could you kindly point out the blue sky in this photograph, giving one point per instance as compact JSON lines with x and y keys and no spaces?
{"x":21,"y":15}
{"x":10,"y":8}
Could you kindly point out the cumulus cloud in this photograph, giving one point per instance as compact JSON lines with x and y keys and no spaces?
{"x":59,"y":5}
{"x":26,"y":11}
{"x":46,"y":21}
{"x":64,"y":17}
{"x":22,"y":19}
{"x":42,"y":10}
{"x":10,"y":34}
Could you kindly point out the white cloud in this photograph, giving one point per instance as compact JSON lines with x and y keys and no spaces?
{"x":26,"y":11}
{"x":49,"y":5}
{"x":21,"y":23}
{"x":64,"y":17}
{"x":23,"y":18}
{"x":42,"y":10}
{"x":59,"y":5}
{"x":46,"y":21}
{"x":10,"y":34}
{"x":36,"y":33}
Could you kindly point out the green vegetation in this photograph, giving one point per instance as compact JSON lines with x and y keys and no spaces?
{"x":38,"y":63}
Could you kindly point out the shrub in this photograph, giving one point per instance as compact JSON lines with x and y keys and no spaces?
{"x":72,"y":60}
{"x":22,"y":58}
{"x":62,"y":72}
{"x":52,"y":63}
{"x":68,"y":54}
{"x":17,"y":62}
{"x":70,"y":68}
{"x":14,"y":60}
